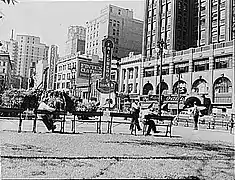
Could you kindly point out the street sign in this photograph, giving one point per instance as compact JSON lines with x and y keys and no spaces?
{"x":174,"y":98}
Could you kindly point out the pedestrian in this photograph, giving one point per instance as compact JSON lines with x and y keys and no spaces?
{"x":195,"y":113}
{"x":135,"y":108}
{"x":150,"y":122}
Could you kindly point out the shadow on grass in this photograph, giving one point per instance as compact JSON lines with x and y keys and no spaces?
{"x":221,"y":149}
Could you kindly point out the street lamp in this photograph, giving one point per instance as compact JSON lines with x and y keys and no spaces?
{"x":89,"y":84}
{"x":161,"y":45}
{"x":178,"y":91}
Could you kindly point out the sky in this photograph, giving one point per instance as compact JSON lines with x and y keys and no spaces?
{"x":50,"y":19}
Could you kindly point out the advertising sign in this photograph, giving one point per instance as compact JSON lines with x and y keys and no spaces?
{"x":174,"y":98}
{"x":105,"y":85}
{"x":85,"y":68}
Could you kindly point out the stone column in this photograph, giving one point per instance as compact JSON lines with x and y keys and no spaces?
{"x":191,"y":75}
{"x":126,"y":80}
{"x":134,"y":80}
{"x":233,"y":81}
{"x":121,"y":77}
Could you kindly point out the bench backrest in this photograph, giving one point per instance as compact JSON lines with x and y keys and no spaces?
{"x":128,"y":115}
{"x":13,"y":110}
{"x":161,"y":118}
{"x":48,"y":112}
{"x":87,"y":113}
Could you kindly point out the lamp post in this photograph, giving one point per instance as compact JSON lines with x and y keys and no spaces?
{"x":89,"y":84}
{"x":161,"y":45}
{"x":178,"y":91}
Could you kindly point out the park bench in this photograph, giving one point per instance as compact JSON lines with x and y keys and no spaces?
{"x":60,"y":117}
{"x":217,"y":121}
{"x":119,"y":114}
{"x":166,"y":121}
{"x":12,"y":114}
{"x":93,"y":117}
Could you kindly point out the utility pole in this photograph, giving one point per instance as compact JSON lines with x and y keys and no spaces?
{"x":178,"y":91}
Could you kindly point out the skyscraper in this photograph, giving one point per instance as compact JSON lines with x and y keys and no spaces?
{"x":200,"y":64}
{"x":31,"y":50}
{"x":76,"y":40}
{"x":116,"y":23}
{"x":184,"y":23}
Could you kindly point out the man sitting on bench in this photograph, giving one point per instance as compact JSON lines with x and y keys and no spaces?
{"x":47,"y":118}
{"x":150,"y":122}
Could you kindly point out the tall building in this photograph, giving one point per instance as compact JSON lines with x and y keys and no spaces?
{"x":54,"y":56}
{"x":117,"y":23}
{"x":5,"y":70}
{"x":200,"y":66}
{"x":184,"y":23}
{"x":11,"y":47}
{"x":31,"y":50}
{"x":76,"y":40}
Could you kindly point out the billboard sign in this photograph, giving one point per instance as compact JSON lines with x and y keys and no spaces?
{"x":86,"y":68}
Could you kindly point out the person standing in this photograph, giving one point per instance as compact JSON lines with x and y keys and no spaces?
{"x":135,"y":120}
{"x":195,"y":113}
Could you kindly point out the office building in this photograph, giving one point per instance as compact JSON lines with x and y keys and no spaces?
{"x":74,"y":75}
{"x":76,"y":40}
{"x":31,"y":50}
{"x":5,"y":71}
{"x":201,"y":70}
{"x":120,"y":25}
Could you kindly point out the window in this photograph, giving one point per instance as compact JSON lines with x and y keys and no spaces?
{"x":201,"y":65}
{"x":131,"y":74}
{"x":119,"y":12}
{"x":68,"y":85}
{"x":59,"y":77}
{"x":68,"y":76}
{"x":149,"y":71}
{"x":114,"y":32}
{"x":223,"y":62}
{"x":3,"y":70}
{"x":63,"y":85}
{"x":181,"y":67}
{"x":130,"y":87}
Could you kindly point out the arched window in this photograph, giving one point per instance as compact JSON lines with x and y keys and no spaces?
{"x":182,"y":87}
{"x":164,"y":86}
{"x":222,"y":85}
{"x":147,"y":87}
{"x":200,"y":86}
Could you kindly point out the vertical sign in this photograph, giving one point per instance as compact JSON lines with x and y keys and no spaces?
{"x":105,"y":85}
{"x":107,"y":48}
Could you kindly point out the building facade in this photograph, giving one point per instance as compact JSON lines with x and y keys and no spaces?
{"x":5,"y":71}
{"x":130,"y":74}
{"x":31,"y":50}
{"x":74,"y":75}
{"x":116,"y":23}
{"x":54,"y":56}
{"x":183,"y":24}
{"x":76,"y":40}
{"x":200,"y":63}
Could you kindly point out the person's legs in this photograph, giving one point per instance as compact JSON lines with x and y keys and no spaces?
{"x":151,"y":126}
{"x":196,"y":122}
